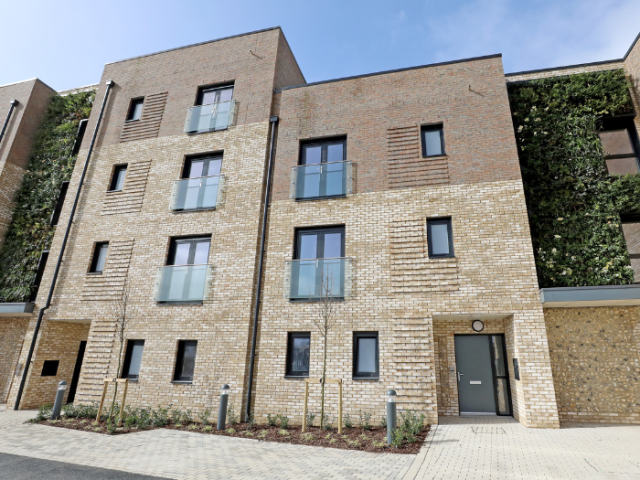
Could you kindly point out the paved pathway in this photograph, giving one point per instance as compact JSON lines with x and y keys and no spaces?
{"x":458,"y":448}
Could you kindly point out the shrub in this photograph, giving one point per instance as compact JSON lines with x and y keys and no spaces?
{"x":176,"y":415}
{"x":44,"y":413}
{"x":383,"y":421}
{"x":310,"y":418}
{"x":365,"y":419}
{"x":251,"y":421}
{"x":272,"y":420}
{"x":347,"y":421}
{"x":284,"y":421}
{"x":231,"y":415}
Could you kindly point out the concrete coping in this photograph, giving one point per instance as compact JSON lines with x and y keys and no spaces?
{"x":24,"y":309}
{"x":602,"y":296}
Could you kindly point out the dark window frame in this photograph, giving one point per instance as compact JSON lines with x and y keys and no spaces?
{"x":430,"y":128}
{"x":115,"y":175}
{"x":324,"y":143}
{"x":623,"y":122}
{"x":289,"y":372}
{"x":174,"y":241}
{"x":214,"y":86}
{"x":180,"y":362}
{"x":366,"y":375}
{"x":189,"y":159}
{"x":62,"y":195}
{"x":42,"y":264}
{"x":94,"y":259}
{"x":127,"y":360}
{"x":320,"y":244}
{"x":440,"y":221}
{"x":132,"y":109}
{"x":50,"y":368}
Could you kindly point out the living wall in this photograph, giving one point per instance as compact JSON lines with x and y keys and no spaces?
{"x":574,"y":204}
{"x":51,"y":164}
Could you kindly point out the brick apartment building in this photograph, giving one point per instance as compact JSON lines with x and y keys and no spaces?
{"x":402,"y":189}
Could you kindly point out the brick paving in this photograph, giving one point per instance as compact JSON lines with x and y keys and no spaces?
{"x":458,"y":448}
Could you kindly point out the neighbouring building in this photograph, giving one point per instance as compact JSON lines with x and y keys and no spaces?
{"x":408,"y":198}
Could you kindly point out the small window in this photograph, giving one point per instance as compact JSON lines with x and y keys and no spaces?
{"x":186,"y":361}
{"x":133,"y":359}
{"x":42,"y":264}
{"x":117,"y":179}
{"x":323,"y":151}
{"x":432,"y":141}
{"x":365,"y":355}
{"x":99,"y":257}
{"x":202,"y":166}
{"x":50,"y":368}
{"x":55,"y":216}
{"x":135,"y":109}
{"x":189,"y":251}
{"x":631,"y":232}
{"x":211,"y":95}
{"x":82,"y":128}
{"x":440,"y":238}
{"x":298,"y":350}
{"x":620,"y":146}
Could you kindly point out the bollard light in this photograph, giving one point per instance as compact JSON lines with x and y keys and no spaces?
{"x":391,"y":413}
{"x":57,"y":405}
{"x":222,"y":411}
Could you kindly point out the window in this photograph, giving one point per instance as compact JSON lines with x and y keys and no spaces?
{"x":189,"y":251}
{"x":210,"y":95}
{"x":204,"y":166}
{"x":620,"y":144}
{"x":133,"y":359}
{"x":365,"y":355}
{"x":432,"y":141}
{"x":55,"y":216}
{"x":117,"y":179}
{"x":187,"y":274}
{"x":320,"y":243}
{"x":82,"y":128}
{"x":298,"y":350}
{"x":631,"y":231}
{"x":50,"y":368}
{"x":440,"y":238}
{"x":99,"y":257}
{"x":42,"y":263}
{"x":135,"y":109}
{"x":323,"y":169}
{"x":186,"y":361}
{"x":323,"y":151}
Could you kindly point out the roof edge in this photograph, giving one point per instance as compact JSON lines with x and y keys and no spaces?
{"x":196,"y":44}
{"x":633,"y":44}
{"x":384,"y":72}
{"x":566,"y":67}
{"x":36,"y":79}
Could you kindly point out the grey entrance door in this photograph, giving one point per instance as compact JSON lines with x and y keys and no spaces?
{"x":476,"y":393}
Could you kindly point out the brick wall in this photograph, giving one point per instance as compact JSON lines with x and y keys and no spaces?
{"x":562,"y":71}
{"x":595,"y":357}
{"x":12,"y":331}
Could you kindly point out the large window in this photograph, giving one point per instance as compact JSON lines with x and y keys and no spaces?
{"x":432,"y":141}
{"x":99,"y":257}
{"x":620,"y":144}
{"x":214,"y":110}
{"x":187,"y":273}
{"x":185,"y":361}
{"x":210,"y":95}
{"x":440,"y":238}
{"x":135,"y":109}
{"x":323,"y":169}
{"x":117,"y":179}
{"x":365,"y":355}
{"x":133,"y":359}
{"x":200,"y":185}
{"x":189,"y":251}
{"x":298,"y":350}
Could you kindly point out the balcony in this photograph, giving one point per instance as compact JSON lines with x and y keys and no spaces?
{"x":208,"y":118}
{"x":202,"y":193}
{"x":321,"y":180}
{"x":183,"y":283}
{"x":304,"y":278}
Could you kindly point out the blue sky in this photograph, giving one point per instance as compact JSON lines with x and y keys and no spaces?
{"x":67,"y":42}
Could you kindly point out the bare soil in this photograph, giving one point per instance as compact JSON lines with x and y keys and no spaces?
{"x":373,"y":440}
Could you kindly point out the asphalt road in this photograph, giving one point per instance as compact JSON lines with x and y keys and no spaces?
{"x":17,"y":467}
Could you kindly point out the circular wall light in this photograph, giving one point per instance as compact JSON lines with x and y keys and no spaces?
{"x":477,"y":325}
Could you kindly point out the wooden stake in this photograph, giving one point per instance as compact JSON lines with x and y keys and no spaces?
{"x":306,"y":397}
{"x":124,"y":397}
{"x":340,"y":407}
{"x":104,"y":393}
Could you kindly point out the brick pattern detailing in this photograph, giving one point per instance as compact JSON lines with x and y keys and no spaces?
{"x":129,"y":200}
{"x":110,"y":283}
{"x":413,"y":364}
{"x":406,"y":166}
{"x":412,"y":271}
{"x":149,"y":124}
{"x":97,"y":359}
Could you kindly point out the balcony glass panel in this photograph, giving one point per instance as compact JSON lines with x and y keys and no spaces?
{"x":304,"y":278}
{"x":206,"y":118}
{"x":321,"y":180}
{"x":197,"y":193}
{"x":183,"y":283}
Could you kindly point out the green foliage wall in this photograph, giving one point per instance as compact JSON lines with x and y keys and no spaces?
{"x":51,"y":163}
{"x":574,"y":205}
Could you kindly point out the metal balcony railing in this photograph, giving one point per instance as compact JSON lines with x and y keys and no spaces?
{"x":312,"y":279}
{"x":321,"y":180}
{"x":199,"y":193}
{"x":207,"y":118}
{"x":183,"y":283}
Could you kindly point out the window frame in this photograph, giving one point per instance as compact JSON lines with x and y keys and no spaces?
{"x":356,"y":347}
{"x":622,"y":122}
{"x":174,"y":241}
{"x":180,"y":361}
{"x":322,"y":230}
{"x":127,"y":360}
{"x":324,"y":143}
{"x":289,"y":372}
{"x":440,"y":221}
{"x":94,"y":259}
{"x":132,"y":109}
{"x":430,"y":128}
{"x":188,"y":162}
{"x":215,"y":86}
{"x":50,"y":368}
{"x":121,"y":167}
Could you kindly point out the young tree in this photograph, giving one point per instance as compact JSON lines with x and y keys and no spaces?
{"x":324,"y":319}
{"x":122,"y":323}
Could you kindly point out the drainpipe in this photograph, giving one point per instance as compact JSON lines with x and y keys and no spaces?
{"x":256,"y":311}
{"x":110,"y":84}
{"x":13,"y":103}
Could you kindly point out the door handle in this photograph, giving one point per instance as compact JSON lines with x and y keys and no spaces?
{"x":460,"y":374}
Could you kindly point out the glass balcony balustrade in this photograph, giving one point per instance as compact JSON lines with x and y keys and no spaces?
{"x":321,"y":180}
{"x":183,"y":283}
{"x":315,"y":278}
{"x":207,"y":118}
{"x":198,"y":193}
